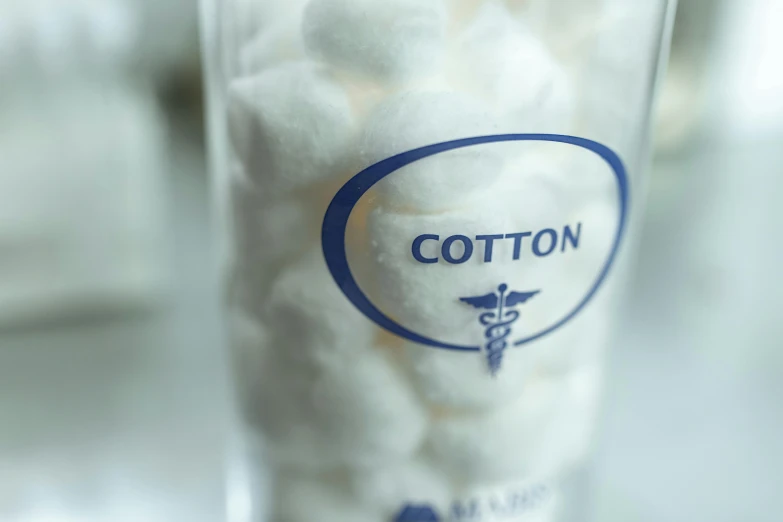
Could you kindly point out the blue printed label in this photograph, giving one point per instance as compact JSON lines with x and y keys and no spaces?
{"x":484,"y":278}
{"x":515,"y":503}
{"x":541,"y":244}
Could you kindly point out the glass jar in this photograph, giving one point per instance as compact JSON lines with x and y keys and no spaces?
{"x":428,"y":205}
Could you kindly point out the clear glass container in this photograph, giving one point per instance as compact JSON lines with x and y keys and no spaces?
{"x":428,"y":210}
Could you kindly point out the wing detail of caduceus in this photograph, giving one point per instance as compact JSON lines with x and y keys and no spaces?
{"x":499,"y":321}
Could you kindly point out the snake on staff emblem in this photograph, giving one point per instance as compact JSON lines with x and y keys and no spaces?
{"x":499,"y":321}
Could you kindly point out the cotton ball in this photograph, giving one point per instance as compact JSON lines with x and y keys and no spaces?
{"x":249,"y":342}
{"x":586,"y":176}
{"x":326,"y":396}
{"x":516,"y":6}
{"x":267,"y":234}
{"x":310,"y":315}
{"x":370,"y":411}
{"x":416,"y":119}
{"x":616,"y":87}
{"x":302,"y":499}
{"x":274,"y":230}
{"x":462,"y":11}
{"x":501,"y":60}
{"x":391,"y":40}
{"x":569,"y":439}
{"x":585,"y":338}
{"x":425,"y":295}
{"x":568,"y":27}
{"x":500,"y":444}
{"x":336,"y":410}
{"x":411,"y":482}
{"x":596,"y":223}
{"x":254,"y":17}
{"x":280,"y":43}
{"x":290,"y":126}
{"x":269,"y":230}
{"x":542,"y":436}
{"x":463,"y":380}
{"x":275,"y":397}
{"x":250,"y":347}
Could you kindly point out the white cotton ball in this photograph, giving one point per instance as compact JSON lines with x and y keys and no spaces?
{"x":267,"y":233}
{"x":323,"y":395}
{"x":250,"y":18}
{"x":282,"y":42}
{"x":370,"y":411}
{"x":501,"y":60}
{"x":464,"y":380}
{"x":618,"y":78}
{"x":416,"y":119}
{"x":586,"y":337}
{"x":542,"y":436}
{"x":269,"y":230}
{"x":585,"y":176}
{"x":588,"y":204}
{"x":390,"y":40}
{"x":569,"y":439}
{"x":290,"y":126}
{"x":462,"y":11}
{"x":310,"y":315}
{"x":560,"y":20}
{"x":499,"y":444}
{"x":249,"y":344}
{"x":390,"y":489}
{"x":302,"y":499}
{"x":248,"y":338}
{"x":571,"y":29}
{"x":425,"y":297}
{"x":275,"y":397}
{"x":336,"y":409}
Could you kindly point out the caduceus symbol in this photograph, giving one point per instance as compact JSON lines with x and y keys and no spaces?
{"x":498,"y":323}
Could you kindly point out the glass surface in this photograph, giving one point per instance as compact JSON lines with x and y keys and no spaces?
{"x":429,"y":212}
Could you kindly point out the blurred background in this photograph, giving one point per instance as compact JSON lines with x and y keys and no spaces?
{"x":113,"y":390}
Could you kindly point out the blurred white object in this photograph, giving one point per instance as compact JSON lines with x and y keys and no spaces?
{"x":81,"y":161}
{"x":57,"y":35}
{"x":80,"y":209}
{"x":745,"y":188}
{"x":748,"y":78}
{"x":157,"y":37}
{"x":727,"y":183}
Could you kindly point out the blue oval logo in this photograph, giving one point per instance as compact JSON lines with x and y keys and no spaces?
{"x":335,"y":225}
